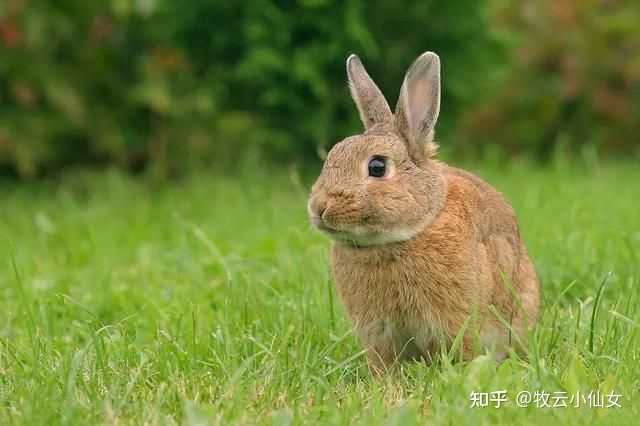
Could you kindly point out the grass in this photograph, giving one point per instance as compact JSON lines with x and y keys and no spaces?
{"x":209,"y":300}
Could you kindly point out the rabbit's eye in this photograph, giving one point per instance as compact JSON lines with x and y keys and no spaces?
{"x":377,"y":166}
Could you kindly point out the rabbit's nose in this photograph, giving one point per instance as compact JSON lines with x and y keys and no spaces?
{"x":321,"y":209}
{"x":318,"y":206}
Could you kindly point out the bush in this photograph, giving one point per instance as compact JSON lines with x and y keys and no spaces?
{"x":156,"y":83}
{"x":573,"y":80}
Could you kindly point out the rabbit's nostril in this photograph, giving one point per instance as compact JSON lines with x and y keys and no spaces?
{"x":317,"y":208}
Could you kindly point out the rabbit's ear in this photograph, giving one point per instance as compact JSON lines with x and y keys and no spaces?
{"x":372,"y":105}
{"x":419,"y":103}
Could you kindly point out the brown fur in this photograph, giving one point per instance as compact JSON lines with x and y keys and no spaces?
{"x":427,"y":252}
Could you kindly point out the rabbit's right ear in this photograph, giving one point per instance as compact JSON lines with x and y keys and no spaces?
{"x":372,"y":105}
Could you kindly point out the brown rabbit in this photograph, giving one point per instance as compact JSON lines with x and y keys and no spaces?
{"x":423,"y":252}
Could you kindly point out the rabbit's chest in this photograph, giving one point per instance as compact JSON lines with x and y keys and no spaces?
{"x":399,"y":292}
{"x":391,"y":309}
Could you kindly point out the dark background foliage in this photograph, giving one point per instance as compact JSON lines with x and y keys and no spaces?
{"x":161,"y":85}
{"x":572,"y":82}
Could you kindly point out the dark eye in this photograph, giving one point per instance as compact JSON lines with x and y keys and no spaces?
{"x":377,"y":166}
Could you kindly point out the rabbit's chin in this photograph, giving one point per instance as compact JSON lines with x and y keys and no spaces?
{"x":362,"y":237}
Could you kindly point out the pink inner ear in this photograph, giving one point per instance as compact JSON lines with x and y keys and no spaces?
{"x":417,"y":101}
{"x":422,"y":104}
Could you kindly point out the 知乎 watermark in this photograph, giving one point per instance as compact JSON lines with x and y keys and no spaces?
{"x":544,"y":399}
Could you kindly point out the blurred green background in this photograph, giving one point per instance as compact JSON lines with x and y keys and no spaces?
{"x":164,"y":86}
{"x":155,"y":162}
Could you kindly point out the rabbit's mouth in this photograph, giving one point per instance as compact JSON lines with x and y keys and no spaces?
{"x":362,"y":236}
{"x":332,"y":232}
{"x":322,"y":226}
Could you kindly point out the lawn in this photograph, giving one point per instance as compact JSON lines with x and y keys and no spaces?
{"x":208,"y":300}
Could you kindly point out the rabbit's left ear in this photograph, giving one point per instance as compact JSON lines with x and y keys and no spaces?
{"x":419,"y":103}
{"x":372,"y":105}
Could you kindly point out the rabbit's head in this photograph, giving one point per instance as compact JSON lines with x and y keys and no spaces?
{"x":383,"y":186}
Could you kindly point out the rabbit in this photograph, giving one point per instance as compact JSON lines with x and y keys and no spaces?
{"x":422,"y":252}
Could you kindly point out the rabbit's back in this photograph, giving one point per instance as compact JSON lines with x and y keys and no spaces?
{"x":513,"y":278}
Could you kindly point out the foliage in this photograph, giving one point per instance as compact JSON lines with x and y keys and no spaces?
{"x":124,"y":302}
{"x":169,"y":83}
{"x":572,"y":81}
